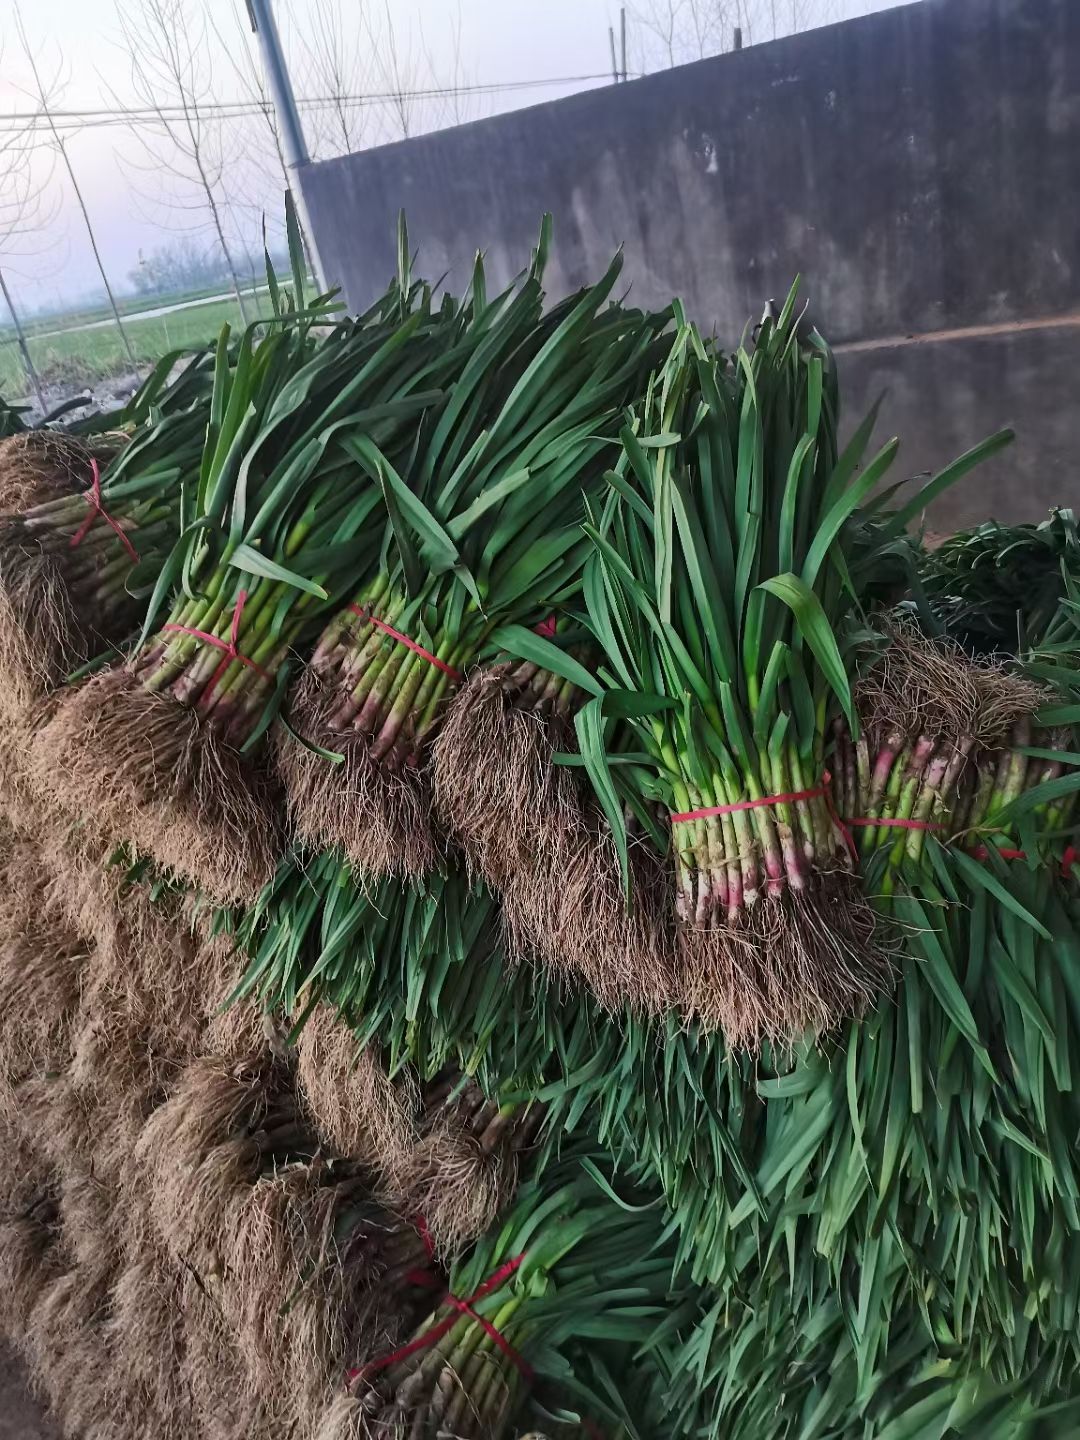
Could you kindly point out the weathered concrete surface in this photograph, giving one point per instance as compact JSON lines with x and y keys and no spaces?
{"x":918,"y":167}
{"x":943,"y":397}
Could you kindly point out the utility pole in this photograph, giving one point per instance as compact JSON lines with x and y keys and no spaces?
{"x":622,"y":37}
{"x":293,"y":145}
{"x":614,"y":61}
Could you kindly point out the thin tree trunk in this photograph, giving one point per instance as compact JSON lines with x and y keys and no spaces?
{"x":62,"y":147}
{"x":94,"y":246}
{"x":32,"y":374}
{"x":249,"y":261}
{"x":212,"y":203}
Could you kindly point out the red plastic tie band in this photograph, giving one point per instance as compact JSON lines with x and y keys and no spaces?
{"x":444,"y":1326}
{"x":751,"y":804}
{"x":420,"y":1225}
{"x":983,"y":852}
{"x":789,"y":798}
{"x":1070,"y":856}
{"x":887,"y":824}
{"x":370,"y":619}
{"x":426,"y":1278}
{"x":227,"y":647}
{"x":93,"y":499}
{"x":834,"y":816}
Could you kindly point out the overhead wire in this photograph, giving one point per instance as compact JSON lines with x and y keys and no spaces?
{"x":68,"y":120}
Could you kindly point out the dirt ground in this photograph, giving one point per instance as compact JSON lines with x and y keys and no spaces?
{"x":21,"y":1418}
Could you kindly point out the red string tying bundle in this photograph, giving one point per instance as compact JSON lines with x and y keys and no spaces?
{"x":421,"y":1227}
{"x":1070,"y":855}
{"x":229,"y":648}
{"x":793,"y":795}
{"x":895,"y":824}
{"x":426,"y":1278}
{"x":93,"y":499}
{"x":458,"y":1307}
{"x":371,"y":619}
{"x":983,"y":852}
{"x":846,"y":824}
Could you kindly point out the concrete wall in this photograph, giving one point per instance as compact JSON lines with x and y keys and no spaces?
{"x":920,"y":168}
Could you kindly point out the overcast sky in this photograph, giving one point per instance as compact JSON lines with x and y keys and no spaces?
{"x":137,"y":188}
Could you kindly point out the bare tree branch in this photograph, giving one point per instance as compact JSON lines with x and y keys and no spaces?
{"x":171,"y":68}
{"x":48,"y":94}
{"x":336,"y":71}
{"x":396,"y":69}
{"x":449,"y":72}
{"x":673,"y":32}
{"x":403,"y":63}
{"x":25,"y":212}
{"x":249,"y":77}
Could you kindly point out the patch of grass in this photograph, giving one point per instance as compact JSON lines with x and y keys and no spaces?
{"x":127,"y":305}
{"x":82,"y":357}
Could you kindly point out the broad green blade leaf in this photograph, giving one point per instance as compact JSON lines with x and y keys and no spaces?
{"x":815,"y":629}
{"x":949,"y":476}
{"x":526,"y":644}
{"x":296,"y":250}
{"x":589,"y":724}
{"x":253,"y":562}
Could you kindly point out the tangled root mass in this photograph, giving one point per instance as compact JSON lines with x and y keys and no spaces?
{"x":149,"y":771}
{"x":379,"y":817}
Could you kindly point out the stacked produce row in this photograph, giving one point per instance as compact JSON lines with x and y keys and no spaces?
{"x":534,"y":906}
